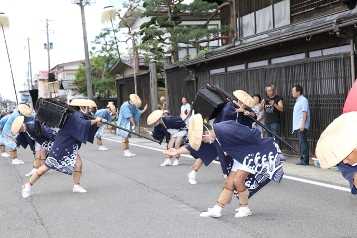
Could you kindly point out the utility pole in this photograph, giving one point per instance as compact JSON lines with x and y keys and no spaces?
{"x":29,"y":65}
{"x":153,"y":85}
{"x":4,"y":22}
{"x":88,"y":69}
{"x":48,"y":47}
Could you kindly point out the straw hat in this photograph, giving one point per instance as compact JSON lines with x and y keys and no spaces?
{"x":25,"y":110}
{"x":82,"y":102}
{"x":337,"y":141}
{"x":17,"y":124}
{"x":92,"y":103}
{"x":195,"y":131}
{"x":154,"y":117}
{"x":135,"y":99}
{"x":244,"y":97}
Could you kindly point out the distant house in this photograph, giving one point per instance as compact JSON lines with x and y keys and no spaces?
{"x":123,"y":70}
{"x":65,"y":73}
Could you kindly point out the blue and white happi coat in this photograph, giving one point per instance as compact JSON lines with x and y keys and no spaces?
{"x":36,"y":133}
{"x":170,"y":126}
{"x":261,"y":156}
{"x":76,"y":130}
{"x":7,"y":138}
{"x":104,"y":114}
{"x":127,"y":111}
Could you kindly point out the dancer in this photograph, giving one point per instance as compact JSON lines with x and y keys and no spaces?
{"x":170,"y":127}
{"x":128,"y":118}
{"x":238,"y":110}
{"x":337,"y":146}
{"x":106,"y":114}
{"x":8,"y":139}
{"x":63,"y":156}
{"x":256,"y":161}
{"x":2,"y":146}
{"x":35,"y":135}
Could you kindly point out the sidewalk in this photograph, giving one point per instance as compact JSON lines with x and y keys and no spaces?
{"x":331,"y":176}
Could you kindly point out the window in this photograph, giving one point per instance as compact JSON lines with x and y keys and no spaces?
{"x":288,"y":58}
{"x":217,"y":71}
{"x":337,"y":50}
{"x":192,"y":52}
{"x":315,"y":53}
{"x":258,"y":64}
{"x":214,"y":44}
{"x":236,"y":67}
{"x":260,"y":16}
{"x":282,"y":13}
{"x":182,"y":53}
{"x":330,"y":51}
{"x":264,"y":19}
{"x":248,"y":25}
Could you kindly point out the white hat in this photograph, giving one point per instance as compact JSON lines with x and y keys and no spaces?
{"x":17,"y":124}
{"x":25,"y":110}
{"x":337,"y":141}
{"x":135,"y":99}
{"x":154,"y":117}
{"x":195,"y":131}
{"x":82,"y":102}
{"x":245,"y":98}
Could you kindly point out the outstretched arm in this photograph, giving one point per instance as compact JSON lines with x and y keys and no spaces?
{"x":176,"y":152}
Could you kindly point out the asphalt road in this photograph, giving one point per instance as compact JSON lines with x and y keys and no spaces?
{"x":137,"y":198}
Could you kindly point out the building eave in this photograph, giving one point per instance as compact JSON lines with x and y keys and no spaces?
{"x":291,"y":32}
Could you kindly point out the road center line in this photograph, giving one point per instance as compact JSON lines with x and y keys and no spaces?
{"x":288,"y":177}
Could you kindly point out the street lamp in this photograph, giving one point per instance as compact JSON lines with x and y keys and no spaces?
{"x":109,"y":14}
{"x":4,"y":22}
{"x":82,"y":4}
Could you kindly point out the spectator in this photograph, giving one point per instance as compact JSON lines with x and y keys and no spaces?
{"x":259,"y":112}
{"x":273,"y":106}
{"x":163,"y":105}
{"x":185,"y":109}
{"x":301,"y":122}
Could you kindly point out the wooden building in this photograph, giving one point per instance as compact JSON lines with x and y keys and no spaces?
{"x":284,"y":42}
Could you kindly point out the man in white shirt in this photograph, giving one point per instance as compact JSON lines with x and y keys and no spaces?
{"x":185,"y":109}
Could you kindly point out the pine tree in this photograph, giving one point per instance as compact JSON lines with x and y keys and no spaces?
{"x":161,"y":35}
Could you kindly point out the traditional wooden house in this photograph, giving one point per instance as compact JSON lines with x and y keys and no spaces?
{"x":284,"y":42}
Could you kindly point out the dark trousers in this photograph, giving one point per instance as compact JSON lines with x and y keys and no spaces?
{"x":274,"y":127}
{"x":303,"y":145}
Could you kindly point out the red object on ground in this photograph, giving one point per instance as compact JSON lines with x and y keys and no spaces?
{"x":351,"y":100}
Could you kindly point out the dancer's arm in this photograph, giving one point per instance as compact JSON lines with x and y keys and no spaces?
{"x":176,"y":152}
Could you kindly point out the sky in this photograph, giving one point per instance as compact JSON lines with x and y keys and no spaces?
{"x":28,"y":20}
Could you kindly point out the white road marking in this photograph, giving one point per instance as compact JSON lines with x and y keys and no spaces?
{"x":301,"y":180}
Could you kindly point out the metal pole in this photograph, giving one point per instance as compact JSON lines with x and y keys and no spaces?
{"x":30,"y":64}
{"x":8,"y":57}
{"x":48,"y":48}
{"x":86,"y":53}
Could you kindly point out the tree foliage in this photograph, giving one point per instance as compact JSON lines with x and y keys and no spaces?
{"x":104,"y":54}
{"x":164,"y":31}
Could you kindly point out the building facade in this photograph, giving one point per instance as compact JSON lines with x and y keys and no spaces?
{"x":287,"y":42}
{"x":65,"y":74}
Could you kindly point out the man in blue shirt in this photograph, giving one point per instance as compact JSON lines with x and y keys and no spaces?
{"x":301,"y":122}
